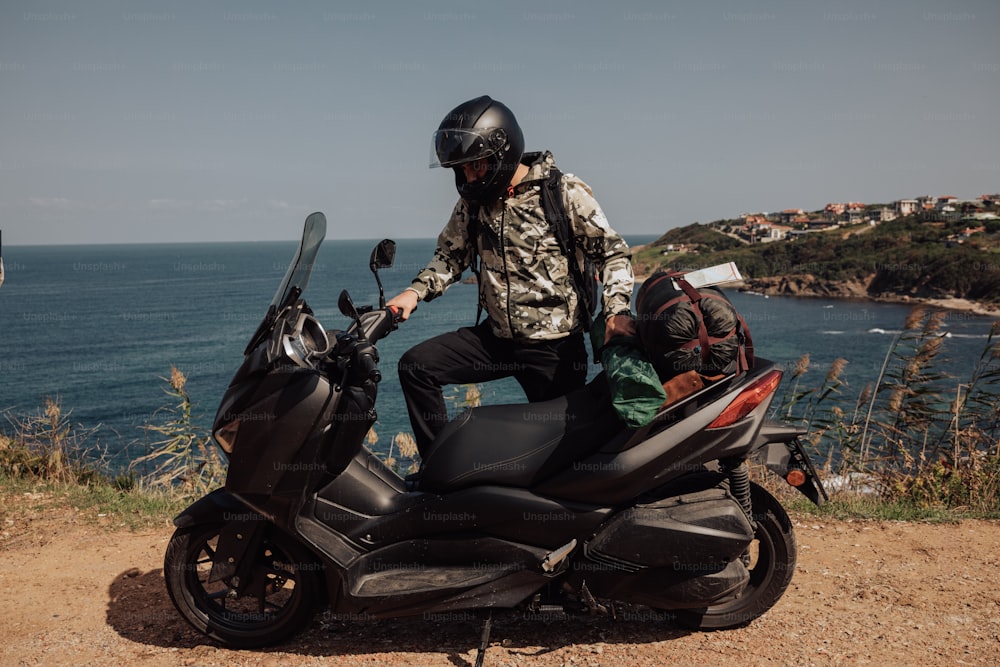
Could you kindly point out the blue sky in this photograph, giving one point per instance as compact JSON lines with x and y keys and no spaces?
{"x":230,"y":121}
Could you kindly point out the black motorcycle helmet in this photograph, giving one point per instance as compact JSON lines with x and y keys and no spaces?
{"x":480,"y":129}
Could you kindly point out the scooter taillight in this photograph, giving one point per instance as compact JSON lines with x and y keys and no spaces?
{"x":748,"y":400}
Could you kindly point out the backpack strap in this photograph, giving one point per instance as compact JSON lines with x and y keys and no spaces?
{"x":746,"y":355}
{"x":562,"y":229}
{"x":475,"y":259}
{"x":694,"y":296}
{"x":746,"y":349}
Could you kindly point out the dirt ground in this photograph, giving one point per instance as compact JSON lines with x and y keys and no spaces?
{"x":75,"y":592}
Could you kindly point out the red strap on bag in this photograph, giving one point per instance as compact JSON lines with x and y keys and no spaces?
{"x":695,"y":297}
{"x":745,"y":360}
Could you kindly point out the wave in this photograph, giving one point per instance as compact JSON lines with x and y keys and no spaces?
{"x":949,"y":334}
{"x":969,"y":336}
{"x":832,"y":333}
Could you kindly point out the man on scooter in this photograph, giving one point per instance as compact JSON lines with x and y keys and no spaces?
{"x":528,"y":285}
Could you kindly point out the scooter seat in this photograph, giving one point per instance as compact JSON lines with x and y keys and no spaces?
{"x":520,"y":445}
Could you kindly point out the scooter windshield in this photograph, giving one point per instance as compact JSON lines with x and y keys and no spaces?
{"x":296,"y":277}
{"x":302,"y":263}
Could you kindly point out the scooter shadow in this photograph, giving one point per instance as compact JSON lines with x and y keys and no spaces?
{"x":140,"y":610}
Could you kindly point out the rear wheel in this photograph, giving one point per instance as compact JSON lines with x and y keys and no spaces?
{"x":772,"y":563}
{"x":280,"y":597}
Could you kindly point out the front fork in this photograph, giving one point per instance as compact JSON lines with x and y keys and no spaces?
{"x":240,"y":537}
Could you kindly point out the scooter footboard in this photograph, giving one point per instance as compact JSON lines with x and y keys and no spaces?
{"x":440,"y":575}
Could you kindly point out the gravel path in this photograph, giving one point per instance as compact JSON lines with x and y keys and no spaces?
{"x":80,"y":593}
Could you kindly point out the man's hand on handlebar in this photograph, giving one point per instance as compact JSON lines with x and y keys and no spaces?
{"x":405,"y":301}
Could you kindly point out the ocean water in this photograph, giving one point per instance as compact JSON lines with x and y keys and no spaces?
{"x":98,"y":326}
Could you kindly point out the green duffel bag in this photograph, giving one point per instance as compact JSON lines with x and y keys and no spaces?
{"x":636,"y":392}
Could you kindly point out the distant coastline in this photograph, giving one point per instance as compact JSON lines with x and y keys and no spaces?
{"x":808,"y":287}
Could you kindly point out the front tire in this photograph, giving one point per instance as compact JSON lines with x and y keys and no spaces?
{"x":772,"y":563}
{"x":281,"y":603}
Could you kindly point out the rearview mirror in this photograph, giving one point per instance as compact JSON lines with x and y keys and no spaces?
{"x":383,"y":255}
{"x":346,"y":305}
{"x":382,"y":258}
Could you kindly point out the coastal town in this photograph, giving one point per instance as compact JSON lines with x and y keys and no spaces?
{"x":792,"y":223}
{"x":941,"y":250}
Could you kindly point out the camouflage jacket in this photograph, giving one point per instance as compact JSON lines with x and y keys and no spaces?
{"x":526,"y":287}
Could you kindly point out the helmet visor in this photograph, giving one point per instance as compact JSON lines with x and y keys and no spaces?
{"x":453,"y":147}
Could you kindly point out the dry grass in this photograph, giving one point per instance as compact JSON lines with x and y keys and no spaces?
{"x":917,"y":435}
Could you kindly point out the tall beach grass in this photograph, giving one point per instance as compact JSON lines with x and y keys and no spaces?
{"x":914,"y":441}
{"x":915,"y":434}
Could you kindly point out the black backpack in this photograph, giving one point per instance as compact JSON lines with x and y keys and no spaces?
{"x":584,"y":277}
{"x":686,"y":329}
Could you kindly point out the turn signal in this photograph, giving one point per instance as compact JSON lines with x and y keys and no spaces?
{"x":748,"y":400}
{"x":795,"y":477}
{"x":226,"y":436}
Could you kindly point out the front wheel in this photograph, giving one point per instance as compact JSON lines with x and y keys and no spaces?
{"x":279,"y":600}
{"x":772,"y":563}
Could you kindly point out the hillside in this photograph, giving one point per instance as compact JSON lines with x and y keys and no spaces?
{"x":909,"y":257}
{"x":705,"y":236}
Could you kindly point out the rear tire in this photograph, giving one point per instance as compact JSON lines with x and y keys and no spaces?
{"x":773,"y":553}
{"x":284,"y":603}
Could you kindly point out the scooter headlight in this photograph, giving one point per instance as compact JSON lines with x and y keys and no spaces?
{"x":306,"y":342}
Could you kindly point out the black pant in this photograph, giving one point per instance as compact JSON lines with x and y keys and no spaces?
{"x":544,"y":369}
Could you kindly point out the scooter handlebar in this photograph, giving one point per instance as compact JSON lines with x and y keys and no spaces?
{"x":377,"y":324}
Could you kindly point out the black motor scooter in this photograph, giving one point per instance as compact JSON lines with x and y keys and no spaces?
{"x":516,"y":506}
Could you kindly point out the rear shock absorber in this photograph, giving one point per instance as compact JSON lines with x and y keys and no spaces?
{"x":739,"y":485}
